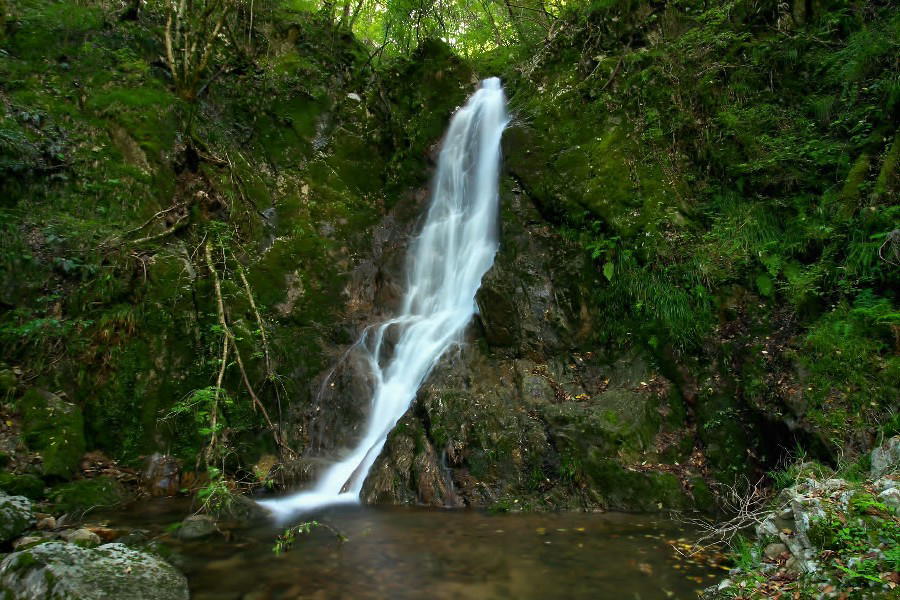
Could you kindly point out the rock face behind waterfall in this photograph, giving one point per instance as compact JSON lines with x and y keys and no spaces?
{"x":522,"y":414}
{"x":526,"y":412}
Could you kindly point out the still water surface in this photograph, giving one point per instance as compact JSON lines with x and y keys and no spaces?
{"x":406,"y":553}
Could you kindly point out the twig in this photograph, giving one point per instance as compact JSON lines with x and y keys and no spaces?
{"x":749,"y":507}
{"x":153,"y":218}
{"x":892,"y":238}
{"x":152,"y":238}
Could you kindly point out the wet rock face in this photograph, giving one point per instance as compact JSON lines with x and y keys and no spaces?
{"x":530,"y":302}
{"x":518,"y":417}
{"x":60,"y":571}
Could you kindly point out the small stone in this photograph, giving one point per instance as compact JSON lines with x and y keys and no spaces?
{"x":774,"y":550}
{"x":83,"y":537}
{"x":885,"y":483}
{"x":47,"y":523}
{"x":354,"y":96}
{"x":26,"y":541}
{"x":767,"y":528}
{"x":792,"y":565}
{"x":196,"y":527}
{"x":891,"y":498}
{"x":834,"y":484}
{"x":104,"y":533}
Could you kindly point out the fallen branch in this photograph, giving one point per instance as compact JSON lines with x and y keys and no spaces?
{"x":749,"y":507}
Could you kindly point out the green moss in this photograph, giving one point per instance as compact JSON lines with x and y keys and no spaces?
{"x":8,"y":382}
{"x":725,"y":435}
{"x":624,"y":489}
{"x":850,"y":193}
{"x":617,"y":423}
{"x":54,"y":428}
{"x":704,"y":500}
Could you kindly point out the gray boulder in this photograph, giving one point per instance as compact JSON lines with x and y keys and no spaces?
{"x":61,"y":571}
{"x":15,"y":516}
{"x":886,"y":457}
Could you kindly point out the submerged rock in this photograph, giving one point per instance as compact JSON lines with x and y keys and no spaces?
{"x":15,"y":516}
{"x":196,"y":527}
{"x":60,"y":571}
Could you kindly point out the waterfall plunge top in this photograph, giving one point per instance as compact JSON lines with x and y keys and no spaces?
{"x":445,"y":264}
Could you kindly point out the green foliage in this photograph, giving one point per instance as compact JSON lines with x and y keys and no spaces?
{"x":199,"y":406}
{"x":217,"y":496}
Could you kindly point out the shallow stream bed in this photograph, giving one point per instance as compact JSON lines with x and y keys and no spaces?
{"x":399,"y":553}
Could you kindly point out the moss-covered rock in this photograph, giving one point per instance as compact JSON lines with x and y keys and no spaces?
{"x":26,"y":485}
{"x":626,"y":489}
{"x":55,"y":428}
{"x":87,"y":494}
{"x":60,"y":571}
{"x":618,"y":422}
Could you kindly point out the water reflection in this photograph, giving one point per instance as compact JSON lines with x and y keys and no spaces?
{"x":402,"y":553}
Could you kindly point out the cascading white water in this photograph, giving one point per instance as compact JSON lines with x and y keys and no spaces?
{"x":444,"y":267}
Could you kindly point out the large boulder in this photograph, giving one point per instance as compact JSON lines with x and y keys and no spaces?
{"x":61,"y":571}
{"x":15,"y":516}
{"x":55,"y":428}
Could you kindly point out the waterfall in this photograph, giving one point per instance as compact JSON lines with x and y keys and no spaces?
{"x":445,"y":264}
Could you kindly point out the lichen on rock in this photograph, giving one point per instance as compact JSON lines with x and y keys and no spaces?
{"x":61,"y":571}
{"x":15,"y":516}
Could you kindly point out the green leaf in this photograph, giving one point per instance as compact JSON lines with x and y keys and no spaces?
{"x":609,"y":270}
{"x":764,"y":284}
